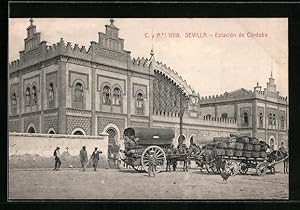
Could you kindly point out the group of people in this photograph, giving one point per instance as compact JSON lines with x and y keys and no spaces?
{"x":83,"y":158}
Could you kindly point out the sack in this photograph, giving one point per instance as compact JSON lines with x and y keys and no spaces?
{"x":238,"y":153}
{"x":248,"y":147}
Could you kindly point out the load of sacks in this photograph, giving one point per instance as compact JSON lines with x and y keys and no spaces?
{"x":239,"y":147}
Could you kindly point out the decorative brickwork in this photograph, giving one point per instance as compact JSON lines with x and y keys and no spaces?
{"x":14,"y":126}
{"x":79,"y":122}
{"x":50,"y":122}
{"x":166,"y":95}
{"x":103,"y":121}
{"x":32,"y":119}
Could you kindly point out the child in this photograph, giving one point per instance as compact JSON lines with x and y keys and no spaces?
{"x":152,"y":163}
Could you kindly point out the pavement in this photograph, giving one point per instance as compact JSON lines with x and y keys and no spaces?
{"x":128,"y":184}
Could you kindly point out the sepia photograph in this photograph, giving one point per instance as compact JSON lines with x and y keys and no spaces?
{"x":148,"y":108}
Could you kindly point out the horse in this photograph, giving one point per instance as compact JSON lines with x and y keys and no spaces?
{"x":278,"y":155}
{"x":209,"y":159}
{"x":182,"y":155}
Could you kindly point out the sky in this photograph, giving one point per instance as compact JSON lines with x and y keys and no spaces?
{"x":224,"y":57}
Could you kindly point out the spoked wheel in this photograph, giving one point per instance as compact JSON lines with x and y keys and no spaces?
{"x":232,"y":166}
{"x":261,"y":169}
{"x":243,"y":167}
{"x":160,"y":156}
{"x":138,"y":168}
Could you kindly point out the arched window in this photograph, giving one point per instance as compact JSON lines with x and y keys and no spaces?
{"x":116,"y":100}
{"x":28,"y":97}
{"x":140,"y":103}
{"x":261,"y":120}
{"x":274,"y":120}
{"x":112,"y":136}
{"x":79,"y":96}
{"x":245,"y":119}
{"x":270,"y":120}
{"x":224,"y":115}
{"x":208,"y":117}
{"x":14,"y":99}
{"x":51,"y":92}
{"x":34,"y":95}
{"x":106,"y":95}
{"x":282,"y":123}
{"x":79,"y":92}
{"x":78,"y":133}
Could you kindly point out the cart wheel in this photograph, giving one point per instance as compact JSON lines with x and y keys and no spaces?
{"x":233,"y":166}
{"x":243,"y":167}
{"x":138,"y":168}
{"x":159,"y":155}
{"x":261,"y":169}
{"x":213,"y":167}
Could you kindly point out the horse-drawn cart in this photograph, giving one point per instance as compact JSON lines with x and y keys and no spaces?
{"x":235,"y":153}
{"x":139,"y":142}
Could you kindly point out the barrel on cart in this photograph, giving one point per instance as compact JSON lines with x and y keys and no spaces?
{"x":238,"y":154}
{"x":139,"y":142}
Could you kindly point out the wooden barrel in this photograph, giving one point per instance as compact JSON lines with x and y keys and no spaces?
{"x":248,"y":147}
{"x":255,"y":154}
{"x":229,"y":152}
{"x":231,"y":145}
{"x":256,"y":147}
{"x":247,"y":154}
{"x":238,"y":153}
{"x":263,"y":154}
{"x":220,"y":152}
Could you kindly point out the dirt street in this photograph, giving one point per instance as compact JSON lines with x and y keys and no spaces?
{"x":128,"y":184}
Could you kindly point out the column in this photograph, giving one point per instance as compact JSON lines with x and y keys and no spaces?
{"x":93,"y":101}
{"x":150,"y":102}
{"x":254,"y":117}
{"x":129,"y":97}
{"x":43,"y":93}
{"x":62,"y":118}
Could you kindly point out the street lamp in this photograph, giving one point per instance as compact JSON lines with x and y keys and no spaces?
{"x":182,"y":107}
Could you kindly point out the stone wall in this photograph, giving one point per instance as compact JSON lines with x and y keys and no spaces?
{"x":36,"y":150}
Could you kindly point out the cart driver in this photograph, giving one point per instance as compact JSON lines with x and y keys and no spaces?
{"x":130,"y":144}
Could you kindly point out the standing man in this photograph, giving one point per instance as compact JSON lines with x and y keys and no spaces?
{"x":57,"y":160}
{"x":83,"y":158}
{"x":152,"y":163}
{"x":95,"y":158}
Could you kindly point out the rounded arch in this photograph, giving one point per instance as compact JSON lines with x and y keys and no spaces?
{"x":119,"y":140}
{"x":272,"y":142}
{"x":77,"y":80}
{"x":105,"y":84}
{"x":192,"y":139}
{"x":139,"y":91}
{"x":51,"y":131}
{"x":77,"y":131}
{"x":31,"y":128}
{"x":184,"y":138}
{"x":116,"y":85}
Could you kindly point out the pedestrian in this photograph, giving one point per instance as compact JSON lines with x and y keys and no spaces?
{"x":95,"y":158}
{"x":57,"y":159}
{"x":152,"y":163}
{"x":83,"y":158}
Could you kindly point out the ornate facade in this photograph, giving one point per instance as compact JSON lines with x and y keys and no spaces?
{"x":70,"y":90}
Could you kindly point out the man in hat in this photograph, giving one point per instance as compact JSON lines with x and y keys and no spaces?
{"x":95,"y":158}
{"x":83,"y":158}
{"x":57,"y":160}
{"x":152,"y":163}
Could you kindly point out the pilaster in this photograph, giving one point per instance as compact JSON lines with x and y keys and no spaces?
{"x":62,"y":129}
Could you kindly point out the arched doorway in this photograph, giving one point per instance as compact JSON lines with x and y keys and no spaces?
{"x":113,"y":147}
{"x":192,"y":139}
{"x":272,"y":143}
{"x":78,"y":133}
{"x":182,"y":139}
{"x":31,"y":130}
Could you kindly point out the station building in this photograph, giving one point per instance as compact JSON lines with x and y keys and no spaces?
{"x":67,"y":89}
